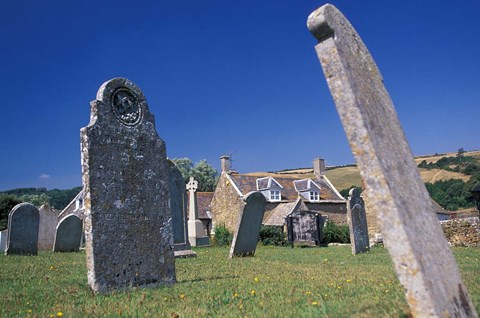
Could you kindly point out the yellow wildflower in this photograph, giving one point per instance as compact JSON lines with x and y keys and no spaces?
{"x":181,"y":296}
{"x":349,"y":281}
{"x":314,"y":303}
{"x":308,"y":293}
{"x":59,"y":314}
{"x":256,"y":279}
{"x":252,"y":292}
{"x":235,"y":295}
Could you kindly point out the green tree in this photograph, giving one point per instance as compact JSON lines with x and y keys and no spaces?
{"x":7,"y":202}
{"x":205,"y":174}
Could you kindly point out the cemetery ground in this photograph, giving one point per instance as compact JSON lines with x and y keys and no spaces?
{"x":277,"y":282}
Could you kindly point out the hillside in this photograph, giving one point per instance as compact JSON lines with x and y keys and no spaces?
{"x":345,"y":177}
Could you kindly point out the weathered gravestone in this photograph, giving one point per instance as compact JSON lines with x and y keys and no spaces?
{"x":357,"y":222}
{"x":178,"y":208}
{"x":3,"y":240}
{"x":423,"y":261}
{"x":128,"y":226}
{"x":46,"y":229}
{"x":23,"y":223}
{"x":69,"y":234}
{"x":245,"y":237}
{"x":304,"y":227}
{"x":196,"y":231}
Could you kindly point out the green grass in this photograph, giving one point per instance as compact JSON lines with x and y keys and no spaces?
{"x":277,"y":282}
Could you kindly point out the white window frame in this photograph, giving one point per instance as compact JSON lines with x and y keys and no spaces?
{"x":275,"y":195}
{"x":314,"y":196}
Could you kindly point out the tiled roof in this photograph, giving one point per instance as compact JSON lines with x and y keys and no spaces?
{"x":203,"y":200}
{"x":275,"y":214}
{"x":247,"y":183}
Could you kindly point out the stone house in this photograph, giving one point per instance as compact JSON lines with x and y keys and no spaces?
{"x":284,"y":194}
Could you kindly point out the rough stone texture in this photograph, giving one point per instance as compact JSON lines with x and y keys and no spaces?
{"x":178,"y":208}
{"x":3,"y":240}
{"x":128,"y":226}
{"x":226,"y":202}
{"x":423,"y":261}
{"x":357,"y":223}
{"x":23,"y":222}
{"x":462,"y":232}
{"x":69,"y":234}
{"x":245,"y":237}
{"x":46,"y":229}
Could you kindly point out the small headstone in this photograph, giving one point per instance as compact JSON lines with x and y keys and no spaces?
{"x":196,"y":230}
{"x":46,"y":229}
{"x":245,"y":238}
{"x":178,"y":208}
{"x":357,"y":223}
{"x":304,"y":227}
{"x":396,"y":193}
{"x":69,"y":234}
{"x":23,"y":223}
{"x":3,"y":240}
{"x":128,"y":225}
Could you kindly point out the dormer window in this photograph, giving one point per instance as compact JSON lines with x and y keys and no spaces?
{"x":314,"y":196}
{"x":270,"y":188}
{"x":275,"y":195}
{"x":308,"y":190}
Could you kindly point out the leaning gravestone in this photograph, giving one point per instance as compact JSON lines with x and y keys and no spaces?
{"x":23,"y":223}
{"x":423,"y":261}
{"x":178,"y":208}
{"x":69,"y":234}
{"x":128,"y":226}
{"x":357,"y":223}
{"x":46,"y":229}
{"x":245,"y":238}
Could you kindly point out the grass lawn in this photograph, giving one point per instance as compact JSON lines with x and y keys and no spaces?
{"x":277,"y":282}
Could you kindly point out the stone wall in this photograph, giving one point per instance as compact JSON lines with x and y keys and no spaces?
{"x":462,"y":232}
{"x":226,"y":204}
{"x":336,"y":212}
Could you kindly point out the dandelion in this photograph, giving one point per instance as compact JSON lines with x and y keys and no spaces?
{"x":253,"y":293}
{"x":235,"y":295}
{"x":308,"y":293}
{"x":256,"y":279}
{"x":314,"y":303}
{"x":181,"y":296}
{"x":59,"y":314}
{"x":348,"y":281}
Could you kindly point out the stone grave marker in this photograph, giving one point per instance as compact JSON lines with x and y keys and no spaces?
{"x":357,"y":222}
{"x":128,"y":225}
{"x":196,"y":230}
{"x":46,"y":229}
{"x":178,"y":208}
{"x":23,"y":223}
{"x":3,"y":240}
{"x":68,"y":234}
{"x":423,"y":261}
{"x":304,"y":227}
{"x":245,"y":238}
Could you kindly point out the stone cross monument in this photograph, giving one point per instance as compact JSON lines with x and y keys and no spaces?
{"x":128,"y":226}
{"x":196,"y":231}
{"x":423,"y":260}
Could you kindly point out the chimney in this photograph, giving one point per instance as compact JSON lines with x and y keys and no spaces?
{"x":225,"y":163}
{"x":318,"y":167}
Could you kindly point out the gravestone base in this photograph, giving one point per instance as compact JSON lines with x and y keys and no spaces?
{"x":199,"y":241}
{"x":185,"y":254}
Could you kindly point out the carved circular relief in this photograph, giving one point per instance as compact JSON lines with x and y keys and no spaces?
{"x":125,"y":106}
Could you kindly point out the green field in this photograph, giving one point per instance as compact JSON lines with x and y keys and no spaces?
{"x":277,"y":282}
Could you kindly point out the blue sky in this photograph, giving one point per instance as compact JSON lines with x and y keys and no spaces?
{"x":225,"y":77}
